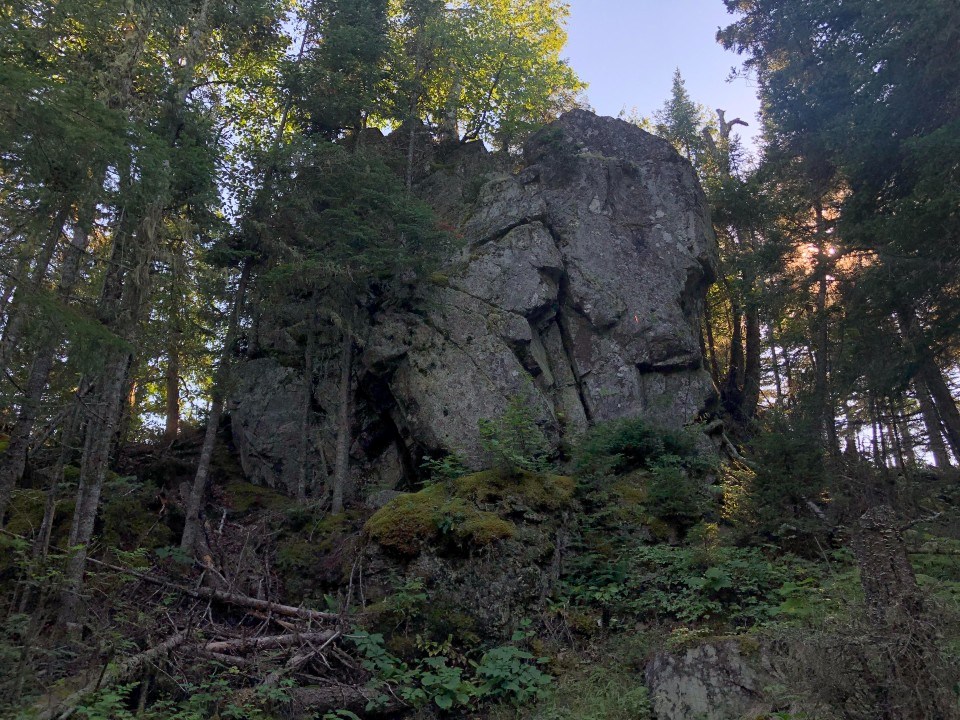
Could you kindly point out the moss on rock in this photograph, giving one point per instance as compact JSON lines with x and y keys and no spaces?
{"x":243,"y":497}
{"x":471,"y":510}
{"x":537,"y":491}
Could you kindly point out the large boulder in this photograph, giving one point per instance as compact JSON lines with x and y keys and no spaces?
{"x":722,"y":680}
{"x":579,"y":290}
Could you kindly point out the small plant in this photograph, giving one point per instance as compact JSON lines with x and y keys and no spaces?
{"x":620,"y":446}
{"x":447,"y":467}
{"x":341,"y":715}
{"x":504,"y":673}
{"x":515,"y":441}
{"x":511,"y":673}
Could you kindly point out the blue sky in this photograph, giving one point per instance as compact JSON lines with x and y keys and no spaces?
{"x":627,"y":51}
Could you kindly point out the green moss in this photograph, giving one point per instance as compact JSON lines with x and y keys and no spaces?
{"x":4,"y":443}
{"x":538,"y":491}
{"x":129,"y":523}
{"x":461,"y":510}
{"x":407,"y":522}
{"x":26,"y":512}
{"x":485,"y":528}
{"x":296,"y":563}
{"x":439,"y":279}
{"x":244,"y":497}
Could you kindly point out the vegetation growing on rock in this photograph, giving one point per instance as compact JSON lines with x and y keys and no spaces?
{"x":472,"y":511}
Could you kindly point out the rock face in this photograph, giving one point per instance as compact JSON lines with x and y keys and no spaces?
{"x":716,"y":681}
{"x":579,"y":290}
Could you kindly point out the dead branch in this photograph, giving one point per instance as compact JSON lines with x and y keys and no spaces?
{"x":297,"y":662}
{"x":222,"y":596}
{"x":117,"y":674}
{"x":268,"y":642}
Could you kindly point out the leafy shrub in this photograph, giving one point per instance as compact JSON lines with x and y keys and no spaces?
{"x":508,"y":673}
{"x":511,"y":673}
{"x":733,"y":585}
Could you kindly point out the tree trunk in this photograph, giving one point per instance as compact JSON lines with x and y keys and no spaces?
{"x":827,"y":414}
{"x":931,"y":421}
{"x":733,"y":387}
{"x":41,"y":544}
{"x":908,"y":644}
{"x":20,"y":302}
{"x":172,"y":390}
{"x":102,"y":423}
{"x":191,"y":526}
{"x":943,"y":401}
{"x":15,"y":458}
{"x":906,"y":433}
{"x":711,"y":344}
{"x":752,"y":368}
{"x":344,"y":423}
{"x":850,"y":436}
{"x":775,"y":361}
{"x":305,"y":416}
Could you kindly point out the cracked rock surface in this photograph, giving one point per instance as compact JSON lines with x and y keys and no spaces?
{"x":579,"y":289}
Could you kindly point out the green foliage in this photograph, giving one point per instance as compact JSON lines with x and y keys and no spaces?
{"x":512,"y":673}
{"x":602,"y":691}
{"x":446,"y":467}
{"x":635,"y":474}
{"x":619,"y":446}
{"x":340,"y":715}
{"x":514,"y":440}
{"x":681,"y":121}
{"x":735,"y":586}
{"x":109,"y":704}
{"x":770,"y":500}
{"x":507,"y":672}
{"x":675,"y":494}
{"x":456,"y":512}
{"x":339,"y":79}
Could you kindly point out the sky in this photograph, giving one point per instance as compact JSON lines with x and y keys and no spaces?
{"x":627,"y":50}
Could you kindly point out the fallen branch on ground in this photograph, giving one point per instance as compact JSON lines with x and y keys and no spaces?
{"x":267,"y":642}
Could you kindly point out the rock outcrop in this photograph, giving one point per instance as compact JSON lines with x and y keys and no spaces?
{"x":579,"y":290}
{"x":714,"y":681}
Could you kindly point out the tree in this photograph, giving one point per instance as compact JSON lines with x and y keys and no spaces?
{"x":683,"y":122}
{"x":343,"y":234}
{"x":861,"y":95}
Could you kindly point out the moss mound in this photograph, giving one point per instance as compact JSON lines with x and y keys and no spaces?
{"x":536,"y":491}
{"x":244,"y":497}
{"x":470,"y":511}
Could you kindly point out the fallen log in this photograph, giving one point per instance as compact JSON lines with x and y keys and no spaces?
{"x":267,"y":642}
